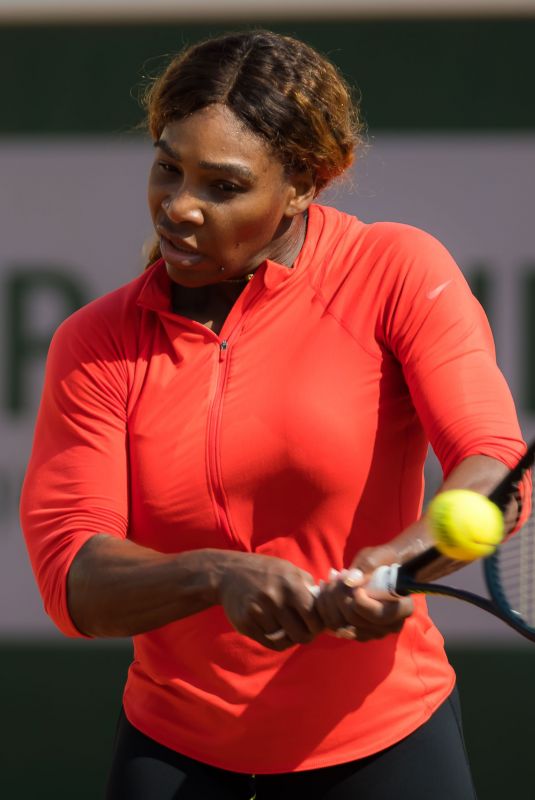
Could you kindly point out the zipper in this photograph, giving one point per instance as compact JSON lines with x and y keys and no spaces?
{"x":214,"y":430}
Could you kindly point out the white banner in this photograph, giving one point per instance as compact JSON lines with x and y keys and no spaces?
{"x":72,"y":224}
{"x":32,"y":11}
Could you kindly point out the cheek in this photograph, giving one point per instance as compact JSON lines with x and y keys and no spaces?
{"x":253,"y":226}
{"x":153,"y":197}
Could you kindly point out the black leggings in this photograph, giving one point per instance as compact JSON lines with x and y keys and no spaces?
{"x":429,"y":763}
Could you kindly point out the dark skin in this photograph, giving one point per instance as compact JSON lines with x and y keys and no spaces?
{"x":217,"y":194}
{"x":340,"y":605}
{"x":222,"y":203}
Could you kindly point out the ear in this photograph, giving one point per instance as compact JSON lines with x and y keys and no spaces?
{"x":302,"y":193}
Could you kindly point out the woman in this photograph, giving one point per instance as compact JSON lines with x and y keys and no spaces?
{"x":251,"y":412}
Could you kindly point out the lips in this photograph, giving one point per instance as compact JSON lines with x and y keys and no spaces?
{"x":176,"y":252}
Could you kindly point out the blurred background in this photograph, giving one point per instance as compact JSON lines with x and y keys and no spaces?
{"x":448,"y":96}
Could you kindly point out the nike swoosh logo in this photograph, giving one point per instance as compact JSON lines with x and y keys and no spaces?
{"x":433,"y":293}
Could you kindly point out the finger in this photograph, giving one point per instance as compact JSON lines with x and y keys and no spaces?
{"x":279,"y":644}
{"x":364,"y":634}
{"x":283,"y":626}
{"x":263,"y":617}
{"x":264,"y":627}
{"x":311,"y":619}
{"x":276,"y":636}
{"x":299,"y":611}
{"x":360,"y":625}
{"x":363,"y":608}
{"x":276,"y":639}
{"x":313,"y":629}
{"x":349,"y":632}
{"x":350,"y":611}
{"x":328,"y":609}
{"x":295,"y":626}
{"x":350,"y":614}
{"x":304,"y":595}
{"x":381,"y":611}
{"x":369,"y":558}
{"x":366,"y":631}
{"x":336,"y":604}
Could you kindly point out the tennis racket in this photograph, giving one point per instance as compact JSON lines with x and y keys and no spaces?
{"x":509,"y":572}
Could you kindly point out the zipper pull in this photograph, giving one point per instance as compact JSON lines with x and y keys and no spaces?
{"x":222,"y":349}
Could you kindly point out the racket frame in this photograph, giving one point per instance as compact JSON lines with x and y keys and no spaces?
{"x":397,"y":580}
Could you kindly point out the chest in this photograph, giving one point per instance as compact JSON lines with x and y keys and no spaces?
{"x":235,"y":436}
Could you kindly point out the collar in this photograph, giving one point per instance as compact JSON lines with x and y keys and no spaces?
{"x":155,"y":291}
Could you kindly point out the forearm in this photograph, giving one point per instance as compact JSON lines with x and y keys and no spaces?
{"x":478,"y":473}
{"x":118,"y":588}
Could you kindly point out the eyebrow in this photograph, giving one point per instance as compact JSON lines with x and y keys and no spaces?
{"x":239,"y":170}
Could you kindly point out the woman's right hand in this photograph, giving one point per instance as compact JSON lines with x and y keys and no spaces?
{"x":262,"y":595}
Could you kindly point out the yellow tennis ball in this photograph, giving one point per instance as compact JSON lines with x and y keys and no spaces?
{"x":465,"y":525}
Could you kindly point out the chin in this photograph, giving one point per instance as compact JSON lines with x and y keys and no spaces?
{"x":191,"y":277}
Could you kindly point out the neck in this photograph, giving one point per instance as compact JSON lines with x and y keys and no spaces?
{"x":284,"y":249}
{"x":288,"y":246}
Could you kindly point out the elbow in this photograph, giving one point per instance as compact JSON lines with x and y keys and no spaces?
{"x":77,"y":601}
{"x":84,"y":599}
{"x":91,"y":594}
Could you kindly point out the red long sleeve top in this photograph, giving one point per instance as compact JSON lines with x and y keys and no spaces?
{"x":299,"y":431}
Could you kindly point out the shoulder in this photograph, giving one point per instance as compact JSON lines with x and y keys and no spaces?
{"x":375,"y":238}
{"x":414,"y":276}
{"x":333,"y":232}
{"x":106,"y":323}
{"x":396,"y":246}
{"x":382,"y":275}
{"x":406,"y":258}
{"x":397,"y":241}
{"x":122,"y":300}
{"x":376,"y":258}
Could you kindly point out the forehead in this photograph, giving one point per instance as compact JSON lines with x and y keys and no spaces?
{"x":216,"y":134}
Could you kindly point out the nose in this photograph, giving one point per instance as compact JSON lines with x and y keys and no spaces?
{"x":182,"y":206}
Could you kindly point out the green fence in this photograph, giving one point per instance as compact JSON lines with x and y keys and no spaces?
{"x":414,"y":75}
{"x":62,"y":700}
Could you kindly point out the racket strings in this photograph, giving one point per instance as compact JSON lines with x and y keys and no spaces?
{"x":516,"y":570}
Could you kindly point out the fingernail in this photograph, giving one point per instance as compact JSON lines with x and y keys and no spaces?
{"x":347,"y":632}
{"x":275,"y":636}
{"x":353,"y":577}
{"x":333,"y":573}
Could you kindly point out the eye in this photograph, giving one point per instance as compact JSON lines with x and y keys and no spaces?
{"x":227,"y":187}
{"x":166,"y":167}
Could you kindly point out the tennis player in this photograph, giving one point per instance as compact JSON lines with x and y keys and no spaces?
{"x":251,"y":412}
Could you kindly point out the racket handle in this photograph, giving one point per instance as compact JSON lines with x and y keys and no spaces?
{"x":383,"y":583}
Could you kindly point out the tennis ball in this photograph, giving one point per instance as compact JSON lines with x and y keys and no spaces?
{"x":465,"y":525}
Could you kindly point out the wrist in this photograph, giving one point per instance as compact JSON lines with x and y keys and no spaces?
{"x":217,"y":567}
{"x":413,"y":541}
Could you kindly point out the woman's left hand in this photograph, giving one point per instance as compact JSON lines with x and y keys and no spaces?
{"x":347,"y":609}
{"x":349,"y":612}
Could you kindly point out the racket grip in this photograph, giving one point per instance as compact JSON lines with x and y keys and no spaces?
{"x":383,"y":583}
